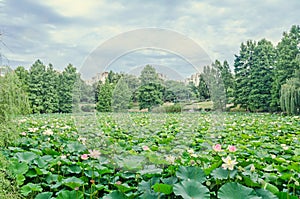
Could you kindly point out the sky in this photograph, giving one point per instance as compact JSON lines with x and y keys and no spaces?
{"x":75,"y":31}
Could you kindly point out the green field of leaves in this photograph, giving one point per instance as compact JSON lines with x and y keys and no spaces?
{"x":143,"y":155}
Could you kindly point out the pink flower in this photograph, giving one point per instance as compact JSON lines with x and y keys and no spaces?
{"x":231,"y":148}
{"x":85,"y":156}
{"x":94,"y":154}
{"x":118,"y":182}
{"x":217,"y":148}
{"x":76,"y":188}
{"x":23,"y":133}
{"x":146,"y":148}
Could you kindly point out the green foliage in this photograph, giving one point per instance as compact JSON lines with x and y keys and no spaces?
{"x":213,"y":79}
{"x":36,"y":83}
{"x":233,"y":190}
{"x":67,"y":95}
{"x":261,"y":76}
{"x":181,"y":159}
{"x":290,"y":96}
{"x":105,"y":93}
{"x":150,"y":92}
{"x":286,"y":63}
{"x":254,"y":76}
{"x":176,"y":91}
{"x":150,"y":95}
{"x":50,"y":90}
{"x":191,"y":190}
{"x":203,"y":91}
{"x":242,"y":65}
{"x":121,"y":96}
{"x":149,"y":75}
{"x":13,"y":99}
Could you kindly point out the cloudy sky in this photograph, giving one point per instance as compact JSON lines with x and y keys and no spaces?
{"x":70,"y":31}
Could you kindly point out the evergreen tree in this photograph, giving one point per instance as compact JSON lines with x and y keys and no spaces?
{"x":23,"y":75}
{"x":150,"y":93}
{"x":36,"y":86}
{"x":68,"y":78}
{"x":261,"y":76}
{"x":121,"y":96}
{"x":215,"y":84}
{"x":286,"y":62}
{"x":242,"y":64}
{"x":203,"y":92}
{"x":149,"y":75}
{"x":50,"y":86}
{"x":105,"y":97}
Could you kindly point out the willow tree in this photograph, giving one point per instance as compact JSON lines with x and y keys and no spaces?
{"x":13,"y":99}
{"x":290,"y":96}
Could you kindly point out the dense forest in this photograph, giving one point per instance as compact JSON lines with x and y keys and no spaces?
{"x":266,"y":78}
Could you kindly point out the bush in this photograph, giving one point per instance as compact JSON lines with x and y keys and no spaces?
{"x":88,"y":108}
{"x":176,"y":108}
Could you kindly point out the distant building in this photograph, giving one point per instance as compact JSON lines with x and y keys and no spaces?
{"x":193,"y":79}
{"x":99,"y":77}
{"x":162,"y":76}
{"x":4,"y":70}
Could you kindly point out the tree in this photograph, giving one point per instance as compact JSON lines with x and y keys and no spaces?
{"x":149,"y":75}
{"x":50,"y":87}
{"x":121,"y":96}
{"x":13,"y":99}
{"x":215,"y":84}
{"x":290,"y":95}
{"x":23,"y":76}
{"x":261,"y":76}
{"x":68,"y":78}
{"x":104,"y":97}
{"x":242,"y":64}
{"x":176,"y":91}
{"x":150,"y":95}
{"x":227,"y":78}
{"x":203,"y":92}
{"x":286,"y":62}
{"x":36,"y":86}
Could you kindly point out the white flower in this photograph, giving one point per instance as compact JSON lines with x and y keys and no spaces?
{"x":273,"y":156}
{"x":33,"y":129}
{"x":190,"y":151}
{"x":94,"y":154}
{"x":82,"y":140}
{"x":228,"y":163}
{"x":170,"y":159}
{"x":252,"y":168}
{"x":48,"y":132}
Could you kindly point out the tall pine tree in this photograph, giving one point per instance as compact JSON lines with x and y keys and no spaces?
{"x":286,"y":62}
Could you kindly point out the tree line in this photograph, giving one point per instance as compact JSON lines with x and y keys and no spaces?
{"x":265,"y":78}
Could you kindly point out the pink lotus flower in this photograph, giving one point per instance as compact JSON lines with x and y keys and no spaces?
{"x":85,"y":156}
{"x":146,"y":148}
{"x":231,"y":148}
{"x":217,"y":148}
{"x":24,"y":133}
{"x":118,"y":182}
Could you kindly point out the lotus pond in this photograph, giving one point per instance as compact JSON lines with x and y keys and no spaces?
{"x":142,"y":155}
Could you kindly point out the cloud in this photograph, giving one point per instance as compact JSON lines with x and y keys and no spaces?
{"x":66,"y":31}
